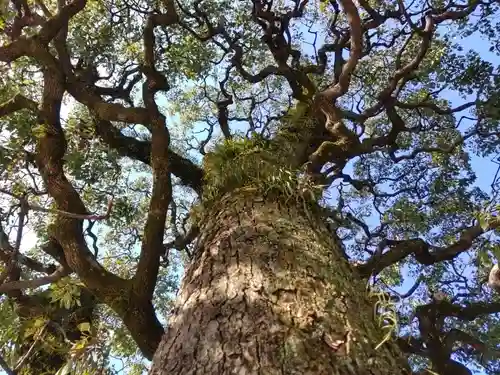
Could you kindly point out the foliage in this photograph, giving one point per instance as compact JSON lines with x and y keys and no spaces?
{"x":386,"y":315}
{"x":409,"y":180}
{"x":253,"y":163}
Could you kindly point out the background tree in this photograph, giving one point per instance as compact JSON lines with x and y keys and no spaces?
{"x":317,"y":170}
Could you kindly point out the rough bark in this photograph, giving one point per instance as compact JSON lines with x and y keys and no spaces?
{"x":268,"y":292}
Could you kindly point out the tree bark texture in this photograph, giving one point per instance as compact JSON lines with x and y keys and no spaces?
{"x":269,"y":292}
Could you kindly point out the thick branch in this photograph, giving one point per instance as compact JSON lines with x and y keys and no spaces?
{"x":406,"y":70}
{"x":52,"y":27}
{"x":49,"y":30}
{"x":469,"y":311}
{"x":17,"y":103}
{"x":356,"y":48}
{"x":58,"y":274}
{"x":51,"y":148}
{"x":104,"y":110}
{"x":456,"y":335}
{"x":149,"y":260}
{"x":420,"y":249}
{"x":68,"y":231}
{"x":189,"y":173}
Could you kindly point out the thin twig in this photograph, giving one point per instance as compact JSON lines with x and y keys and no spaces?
{"x":36,"y":207}
{"x":58,"y":274}
{"x":23,"y":359}
{"x":13,"y":258}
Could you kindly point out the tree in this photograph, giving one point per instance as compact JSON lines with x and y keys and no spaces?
{"x":311,"y":167}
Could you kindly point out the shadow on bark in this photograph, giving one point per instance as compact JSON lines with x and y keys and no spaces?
{"x":268,"y":292}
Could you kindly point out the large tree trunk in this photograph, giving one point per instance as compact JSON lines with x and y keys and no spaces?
{"x":269,"y":292}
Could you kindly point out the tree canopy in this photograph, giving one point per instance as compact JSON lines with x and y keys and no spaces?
{"x":115,"y":112}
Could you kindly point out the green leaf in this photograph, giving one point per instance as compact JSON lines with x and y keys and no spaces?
{"x":84,"y":327}
{"x":66,"y":369}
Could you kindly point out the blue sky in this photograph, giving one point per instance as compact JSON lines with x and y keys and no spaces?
{"x":484,"y":168}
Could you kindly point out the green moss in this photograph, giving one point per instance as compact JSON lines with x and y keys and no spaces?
{"x":235,"y":163}
{"x":256,"y":164}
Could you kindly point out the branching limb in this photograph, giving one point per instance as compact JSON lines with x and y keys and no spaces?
{"x":144,"y":280}
{"x":52,"y":27}
{"x":403,"y":72}
{"x":68,"y":230}
{"x":456,"y":335}
{"x":58,"y":274}
{"x":356,"y":48}
{"x":421,"y":250}
{"x":22,"y":46}
{"x":188,"y":172}
{"x":449,"y":14}
{"x":468,"y":312}
{"x":430,"y":321}
{"x":17,"y":103}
